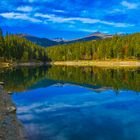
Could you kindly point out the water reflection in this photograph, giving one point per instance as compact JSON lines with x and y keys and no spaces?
{"x":73,"y":112}
{"x":76,"y":103}
{"x":20,"y":79}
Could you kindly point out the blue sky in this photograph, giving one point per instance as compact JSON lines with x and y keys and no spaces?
{"x":69,"y":18}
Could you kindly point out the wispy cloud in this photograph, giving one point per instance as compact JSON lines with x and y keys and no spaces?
{"x":12,"y":15}
{"x":54,"y":18}
{"x":59,"y":11}
{"x":57,"y":15}
{"x":114,"y":11}
{"x":129,"y":5}
{"x":87,"y":30}
{"x":25,"y":8}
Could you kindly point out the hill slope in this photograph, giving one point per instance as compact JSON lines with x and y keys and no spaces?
{"x":94,"y":36}
{"x":116,"y":47}
{"x":17,"y":49}
{"x":45,"y":42}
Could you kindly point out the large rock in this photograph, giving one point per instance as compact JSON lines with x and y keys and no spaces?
{"x":10,"y":127}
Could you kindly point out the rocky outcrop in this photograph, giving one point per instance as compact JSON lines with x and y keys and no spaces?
{"x":10,"y":127}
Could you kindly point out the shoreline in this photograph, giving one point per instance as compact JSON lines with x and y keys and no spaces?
{"x":98,"y":63}
{"x":21,"y":64}
{"x":28,"y":64}
{"x":86,"y":63}
{"x":4,"y":64}
{"x":10,"y":127}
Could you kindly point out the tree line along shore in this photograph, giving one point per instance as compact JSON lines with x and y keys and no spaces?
{"x":118,"y":50}
{"x":25,"y":78}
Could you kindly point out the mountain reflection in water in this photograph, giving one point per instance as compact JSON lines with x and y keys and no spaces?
{"x":20,"y":79}
{"x":76,"y":103}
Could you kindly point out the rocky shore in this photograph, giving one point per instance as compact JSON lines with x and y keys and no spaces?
{"x":10,"y":126}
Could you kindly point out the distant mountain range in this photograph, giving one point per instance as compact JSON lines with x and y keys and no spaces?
{"x":94,"y":36}
{"x":45,"y":42}
{"x":60,"y":40}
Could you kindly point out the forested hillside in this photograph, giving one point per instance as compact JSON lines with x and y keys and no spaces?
{"x":44,"y":42}
{"x":117,"y":47}
{"x":14,"y":48}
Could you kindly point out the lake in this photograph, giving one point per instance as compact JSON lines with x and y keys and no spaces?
{"x":76,"y":103}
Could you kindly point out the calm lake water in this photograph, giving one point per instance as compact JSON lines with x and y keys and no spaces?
{"x":76,"y":103}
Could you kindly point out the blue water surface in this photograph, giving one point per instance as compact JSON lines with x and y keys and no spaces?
{"x":72,"y":112}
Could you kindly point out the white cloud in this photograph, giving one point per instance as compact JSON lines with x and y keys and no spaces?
{"x":129,"y":5}
{"x":59,"y":11}
{"x":25,"y":8}
{"x":116,"y":11}
{"x":21,"y":16}
{"x":54,"y":18}
{"x":32,"y":1}
{"x":87,"y":30}
{"x":57,"y":19}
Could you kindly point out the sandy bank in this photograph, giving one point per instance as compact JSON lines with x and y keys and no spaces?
{"x":4,"y":64}
{"x":108,"y":63}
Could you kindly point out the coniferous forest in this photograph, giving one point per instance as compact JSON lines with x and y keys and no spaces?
{"x":89,"y":77}
{"x":117,"y":47}
{"x":14,"y":48}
